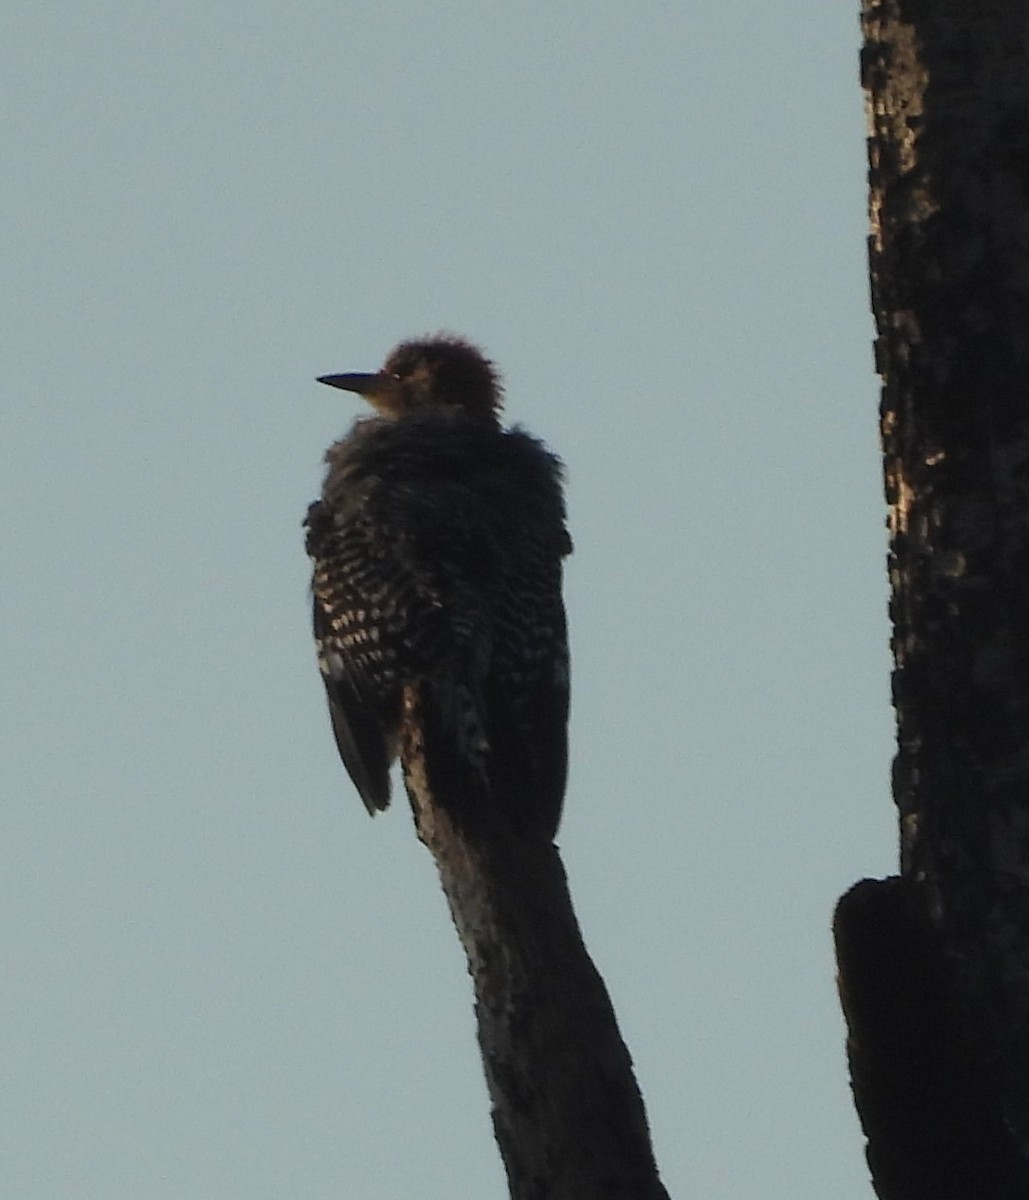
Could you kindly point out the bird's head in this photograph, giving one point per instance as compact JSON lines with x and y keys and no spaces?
{"x":432,"y":372}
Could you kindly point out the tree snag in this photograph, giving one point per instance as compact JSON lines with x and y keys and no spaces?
{"x":934,"y":967}
{"x":567,"y":1113}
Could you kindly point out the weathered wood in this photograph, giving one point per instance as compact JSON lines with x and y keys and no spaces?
{"x":567,"y":1112}
{"x":934,"y":1121}
{"x":947,"y":84}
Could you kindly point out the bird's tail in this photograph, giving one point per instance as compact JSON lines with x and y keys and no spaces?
{"x":455,"y":747}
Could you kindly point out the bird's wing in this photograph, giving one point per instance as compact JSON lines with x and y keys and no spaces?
{"x":356,"y":716}
{"x":395,"y":600}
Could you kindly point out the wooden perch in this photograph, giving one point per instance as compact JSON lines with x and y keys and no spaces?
{"x":568,"y":1115}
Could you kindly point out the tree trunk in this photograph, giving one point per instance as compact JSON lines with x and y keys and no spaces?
{"x":567,"y":1113}
{"x":934,"y":967}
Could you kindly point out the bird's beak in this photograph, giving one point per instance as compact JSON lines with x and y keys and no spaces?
{"x":367,"y":384}
{"x":355,"y":381}
{"x":382,"y":390}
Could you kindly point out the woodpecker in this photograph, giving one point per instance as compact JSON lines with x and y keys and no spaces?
{"x":437,"y":547}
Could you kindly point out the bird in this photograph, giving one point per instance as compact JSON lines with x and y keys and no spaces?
{"x":437,"y":547}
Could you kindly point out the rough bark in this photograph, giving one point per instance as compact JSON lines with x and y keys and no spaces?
{"x":933,"y":1119}
{"x":947,"y":83}
{"x":567,"y":1113}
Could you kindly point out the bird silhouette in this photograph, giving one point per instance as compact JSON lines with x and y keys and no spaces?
{"x":437,"y":546}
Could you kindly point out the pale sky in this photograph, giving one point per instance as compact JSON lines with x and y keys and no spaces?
{"x":221,"y":980}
